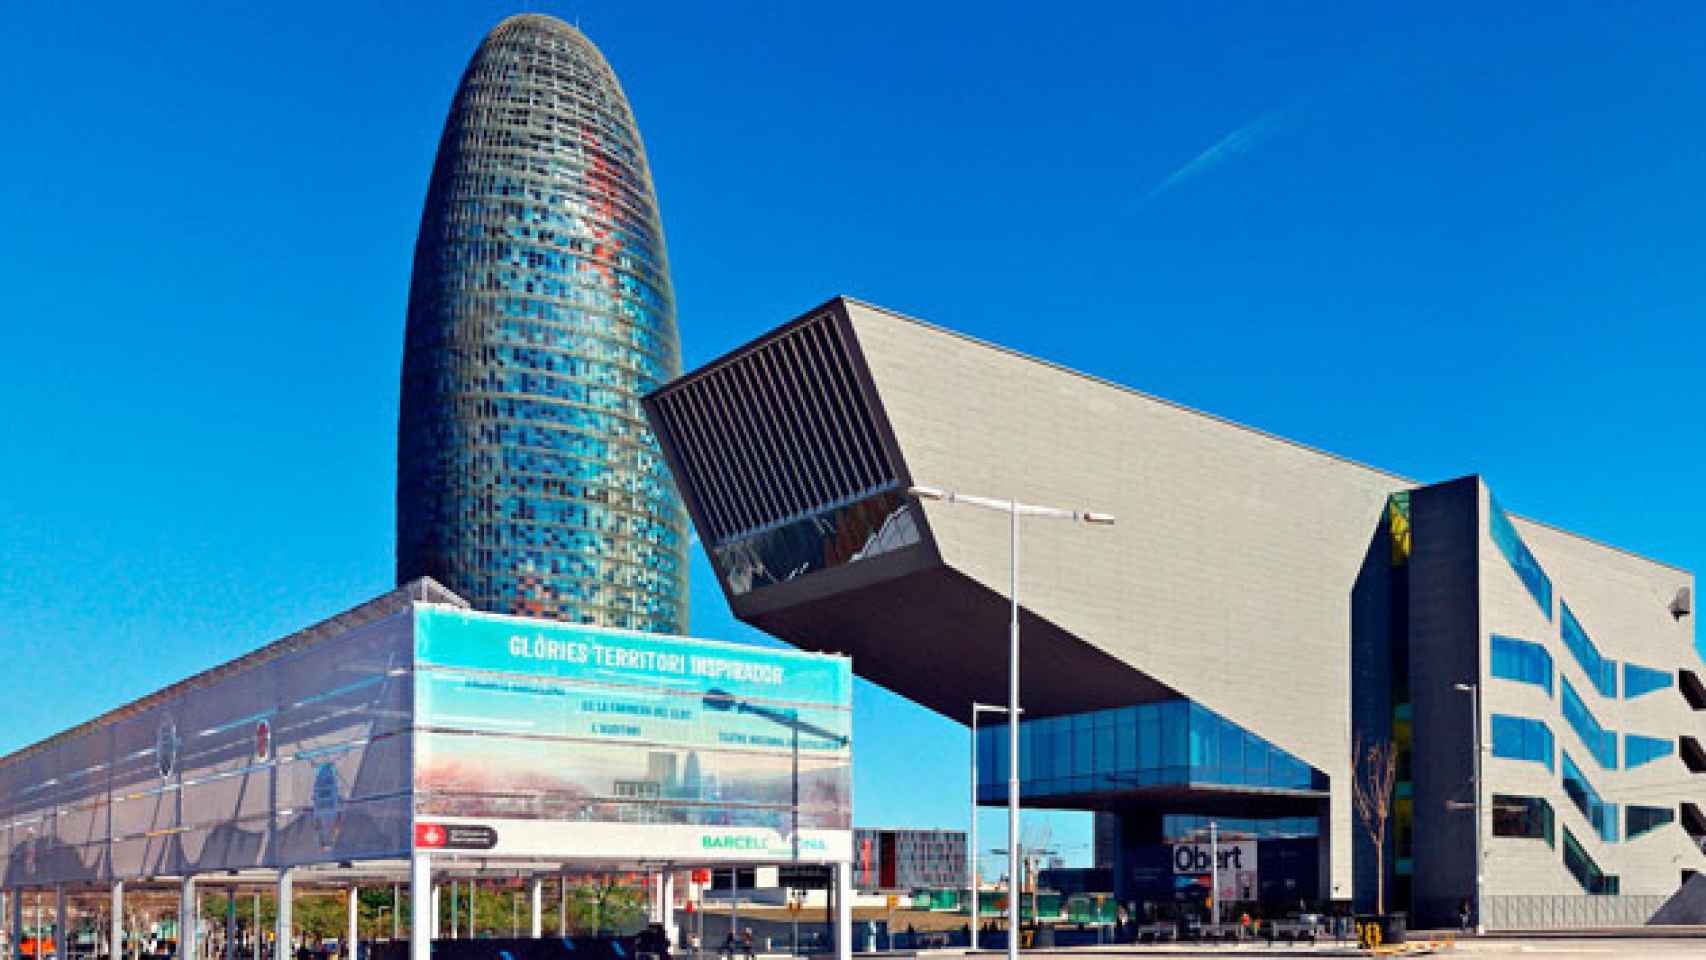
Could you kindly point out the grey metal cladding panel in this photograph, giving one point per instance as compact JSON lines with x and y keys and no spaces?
{"x":1233,"y":548}
{"x":1444,"y":651}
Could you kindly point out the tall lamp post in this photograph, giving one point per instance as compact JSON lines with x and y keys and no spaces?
{"x":1480,"y":865}
{"x":1014,"y":510}
{"x":971,"y":838}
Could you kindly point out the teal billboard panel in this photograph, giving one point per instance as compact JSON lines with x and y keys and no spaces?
{"x":536,"y":720}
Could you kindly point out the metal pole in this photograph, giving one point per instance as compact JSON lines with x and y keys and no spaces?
{"x":189,"y":921}
{"x":795,"y":715}
{"x":282,"y":924}
{"x":230,"y":923}
{"x":420,"y":903}
{"x":971,"y":833}
{"x":453,"y":902}
{"x":1214,"y":872}
{"x":536,"y":896}
{"x":59,"y":940}
{"x":116,"y":949}
{"x":396,"y":911}
{"x":1480,"y":862}
{"x":563,"y":905}
{"x":1015,"y":862}
{"x":255,"y":929}
{"x":352,"y":943}
{"x":734,"y":901}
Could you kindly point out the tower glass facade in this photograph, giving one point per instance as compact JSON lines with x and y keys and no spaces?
{"x":540,"y":311}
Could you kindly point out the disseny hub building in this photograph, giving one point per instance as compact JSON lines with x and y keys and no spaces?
{"x":1258,"y":609}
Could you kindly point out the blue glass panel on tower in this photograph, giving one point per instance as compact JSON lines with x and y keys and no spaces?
{"x":1600,"y":741}
{"x":1638,"y":750}
{"x":1522,"y":738}
{"x":1521,"y":660}
{"x":1602,"y":815}
{"x":1602,"y":672}
{"x":1639,"y":680}
{"x":1517,"y":554}
{"x":540,"y":311}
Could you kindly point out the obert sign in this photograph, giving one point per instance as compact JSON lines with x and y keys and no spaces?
{"x":1238,"y":877}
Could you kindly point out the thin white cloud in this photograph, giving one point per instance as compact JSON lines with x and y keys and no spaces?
{"x":1242,"y":140}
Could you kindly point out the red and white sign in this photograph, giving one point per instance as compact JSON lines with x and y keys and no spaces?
{"x":429,"y":835}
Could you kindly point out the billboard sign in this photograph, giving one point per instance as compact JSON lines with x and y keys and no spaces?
{"x":1238,"y":875}
{"x":558,"y":736}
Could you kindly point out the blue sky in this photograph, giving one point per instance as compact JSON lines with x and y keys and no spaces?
{"x":1443,"y":240}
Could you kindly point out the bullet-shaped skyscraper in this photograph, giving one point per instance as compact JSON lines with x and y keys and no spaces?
{"x":540,"y":311}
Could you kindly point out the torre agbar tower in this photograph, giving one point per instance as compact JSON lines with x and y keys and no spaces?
{"x":540,"y":311}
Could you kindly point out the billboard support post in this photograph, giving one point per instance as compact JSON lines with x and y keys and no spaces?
{"x":536,"y":900}
{"x":116,"y":948}
{"x":844,"y":910}
{"x":352,"y":942}
{"x":420,"y":918}
{"x":282,"y":932}
{"x":189,"y":918}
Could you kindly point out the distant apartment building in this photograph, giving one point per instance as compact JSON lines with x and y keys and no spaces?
{"x":902,"y":859}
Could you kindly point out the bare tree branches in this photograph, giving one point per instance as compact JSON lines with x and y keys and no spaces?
{"x":1374,"y":773}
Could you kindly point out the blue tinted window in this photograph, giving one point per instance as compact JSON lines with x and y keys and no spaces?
{"x":1638,"y":680}
{"x":1639,"y":820}
{"x":1516,"y":553}
{"x":1602,"y":815}
{"x":1638,"y":749}
{"x":1602,"y":742}
{"x":1519,"y":738}
{"x":1602,"y":672}
{"x":1170,"y":742}
{"x":1521,"y":660}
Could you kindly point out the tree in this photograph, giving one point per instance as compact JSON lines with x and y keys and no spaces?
{"x":1374,"y":772}
{"x":608,"y":902}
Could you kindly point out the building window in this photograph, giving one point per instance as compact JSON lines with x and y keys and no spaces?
{"x":1602,"y":815}
{"x":1587,"y":873}
{"x":1638,"y":680}
{"x":1519,"y":738}
{"x":1530,"y":817}
{"x":1639,"y":820}
{"x":1523,"y":661}
{"x":1517,"y":555}
{"x":1638,"y":749}
{"x":1602,"y":742}
{"x":1601,"y":672}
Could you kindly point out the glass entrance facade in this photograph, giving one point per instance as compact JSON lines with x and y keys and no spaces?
{"x":1171,"y":743}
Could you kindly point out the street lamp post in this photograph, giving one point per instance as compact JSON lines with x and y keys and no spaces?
{"x":1014,"y":510}
{"x":1474,"y":692}
{"x":1214,"y":873}
{"x":971,"y":838}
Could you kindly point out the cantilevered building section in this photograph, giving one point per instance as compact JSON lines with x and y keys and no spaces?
{"x":1214,"y":654}
{"x":539,"y":313}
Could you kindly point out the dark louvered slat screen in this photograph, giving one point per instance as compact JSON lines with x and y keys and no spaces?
{"x":774,"y":434}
